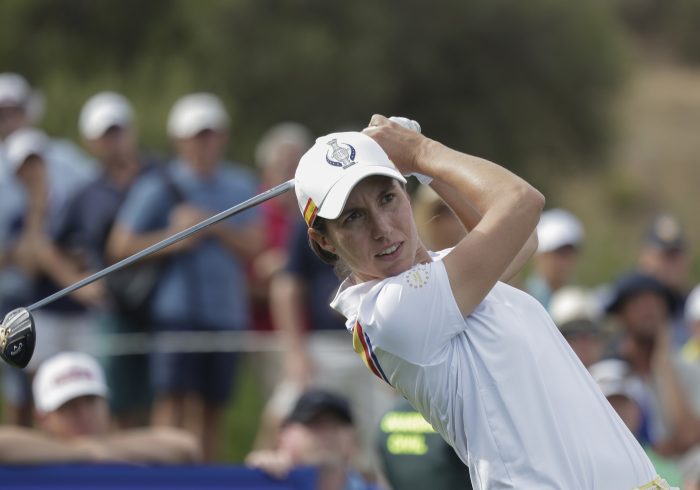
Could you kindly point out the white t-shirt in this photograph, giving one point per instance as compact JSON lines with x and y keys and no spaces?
{"x":502,"y":386}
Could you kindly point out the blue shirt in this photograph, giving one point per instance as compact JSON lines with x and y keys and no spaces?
{"x":87,"y":220}
{"x":68,"y":169}
{"x":320,"y":279}
{"x":206,"y":286}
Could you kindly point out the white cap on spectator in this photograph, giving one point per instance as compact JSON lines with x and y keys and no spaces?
{"x":103,"y":111}
{"x":66,"y":376}
{"x":23,"y":143}
{"x":558,"y":228}
{"x":613,"y":378}
{"x":573,"y":304}
{"x":194,"y":113}
{"x":279,"y":135}
{"x":14,"y":90}
{"x":692,"y":305}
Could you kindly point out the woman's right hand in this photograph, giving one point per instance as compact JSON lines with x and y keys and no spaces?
{"x":403,"y":146}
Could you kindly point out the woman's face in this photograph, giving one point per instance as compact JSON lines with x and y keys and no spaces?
{"x":375,"y":235}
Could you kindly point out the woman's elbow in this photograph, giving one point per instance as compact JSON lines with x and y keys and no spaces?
{"x":536,"y":199}
{"x":529,"y":201}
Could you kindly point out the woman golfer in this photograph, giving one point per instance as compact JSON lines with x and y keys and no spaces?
{"x":482,"y":361}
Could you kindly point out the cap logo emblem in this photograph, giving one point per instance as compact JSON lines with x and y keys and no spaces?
{"x":340,"y":154}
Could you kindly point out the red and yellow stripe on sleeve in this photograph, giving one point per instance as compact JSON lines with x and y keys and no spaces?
{"x":363,"y":346}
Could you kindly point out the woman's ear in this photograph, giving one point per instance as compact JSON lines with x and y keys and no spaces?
{"x":322,"y":240}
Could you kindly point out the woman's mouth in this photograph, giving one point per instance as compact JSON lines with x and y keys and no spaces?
{"x":390,"y":252}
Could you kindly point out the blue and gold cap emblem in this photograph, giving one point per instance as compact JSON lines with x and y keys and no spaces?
{"x":340,"y":154}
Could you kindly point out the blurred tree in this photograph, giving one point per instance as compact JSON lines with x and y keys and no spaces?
{"x":671,"y":28}
{"x":525,"y":83}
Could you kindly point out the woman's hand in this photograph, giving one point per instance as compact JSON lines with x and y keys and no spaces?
{"x":404,"y":146}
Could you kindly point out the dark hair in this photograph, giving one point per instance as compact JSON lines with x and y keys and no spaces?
{"x":340,"y":268}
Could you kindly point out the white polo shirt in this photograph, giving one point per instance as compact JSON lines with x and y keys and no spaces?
{"x":502,"y":386}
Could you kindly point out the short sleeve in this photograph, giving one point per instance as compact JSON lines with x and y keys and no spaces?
{"x":413,"y":315}
{"x":146,"y":206}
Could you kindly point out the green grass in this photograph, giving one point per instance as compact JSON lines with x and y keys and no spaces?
{"x":242,"y":414}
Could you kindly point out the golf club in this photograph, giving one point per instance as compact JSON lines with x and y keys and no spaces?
{"x":18,"y":331}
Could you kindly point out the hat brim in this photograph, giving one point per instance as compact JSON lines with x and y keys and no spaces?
{"x":337,"y":196}
{"x":628,"y":291}
{"x":70,"y":393}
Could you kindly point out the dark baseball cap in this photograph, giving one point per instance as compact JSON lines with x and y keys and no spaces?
{"x":665,"y":232}
{"x":316,"y":402}
{"x":634,"y":283}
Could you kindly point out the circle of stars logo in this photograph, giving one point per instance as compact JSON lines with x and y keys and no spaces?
{"x":418,"y":276}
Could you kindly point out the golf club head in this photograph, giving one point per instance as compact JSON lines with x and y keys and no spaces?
{"x":17,"y":338}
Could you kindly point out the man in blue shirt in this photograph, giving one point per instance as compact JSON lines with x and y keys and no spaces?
{"x":204,"y":285}
{"x":107,"y":127}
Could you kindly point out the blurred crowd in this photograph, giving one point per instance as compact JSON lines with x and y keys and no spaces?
{"x":69,"y":209}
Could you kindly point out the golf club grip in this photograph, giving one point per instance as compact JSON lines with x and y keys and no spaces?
{"x":253,"y":201}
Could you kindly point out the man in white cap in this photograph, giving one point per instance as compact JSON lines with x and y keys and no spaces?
{"x":106,"y":125}
{"x":66,"y":168}
{"x":69,"y":168}
{"x":560,"y":235}
{"x":74,"y":423}
{"x":46,"y":262}
{"x":666,"y":255}
{"x":204,"y":286}
{"x":579,"y":318}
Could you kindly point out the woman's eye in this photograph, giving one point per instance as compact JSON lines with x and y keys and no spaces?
{"x":351,"y":217}
{"x":388,"y":197}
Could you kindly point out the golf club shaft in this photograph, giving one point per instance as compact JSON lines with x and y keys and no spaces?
{"x":253,"y":201}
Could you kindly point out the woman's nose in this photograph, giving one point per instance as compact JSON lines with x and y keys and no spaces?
{"x":381,"y":226}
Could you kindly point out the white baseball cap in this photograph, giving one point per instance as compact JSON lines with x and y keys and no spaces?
{"x":280,"y":135}
{"x":103,"y":111}
{"x":14,"y":90}
{"x":23,"y":143}
{"x":614,"y":378}
{"x":194,"y":113}
{"x":572,"y":307}
{"x":558,"y":228}
{"x":329,"y":171}
{"x":66,"y":376}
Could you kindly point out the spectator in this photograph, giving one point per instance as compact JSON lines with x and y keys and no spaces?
{"x":47,"y":263}
{"x":560,"y":236}
{"x":276,"y":157}
{"x":204,"y":286}
{"x":107,"y":127}
{"x":579,"y":320}
{"x":319,"y":431}
{"x":664,"y":255}
{"x":641,"y":308}
{"x":317,"y":351}
{"x":74,"y":424}
{"x":68,"y":167}
{"x":413,"y":455}
{"x":626,"y":393}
